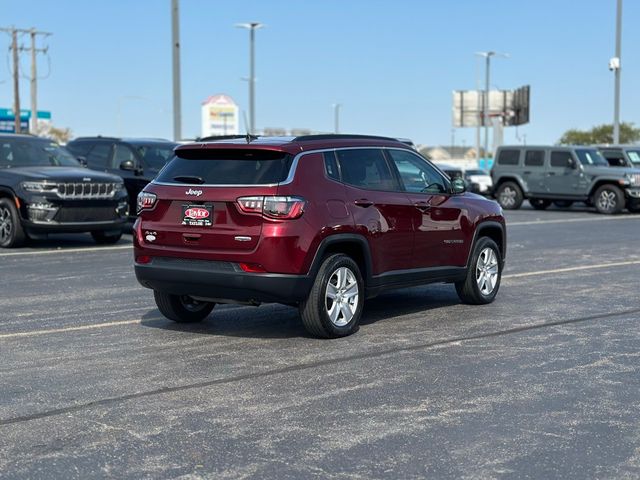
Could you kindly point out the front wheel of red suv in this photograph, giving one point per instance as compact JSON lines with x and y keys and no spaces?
{"x":334,"y":305}
{"x":182,"y":308}
{"x":483,"y":275}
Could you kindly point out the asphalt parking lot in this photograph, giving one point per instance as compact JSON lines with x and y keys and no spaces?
{"x":543,"y":383}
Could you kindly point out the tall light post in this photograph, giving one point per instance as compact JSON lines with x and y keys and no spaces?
{"x":336,"y":117}
{"x":175,"y":50}
{"x":252,"y":27}
{"x":485,"y":101}
{"x":615,"y":65}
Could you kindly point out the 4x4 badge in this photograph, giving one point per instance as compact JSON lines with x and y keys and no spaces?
{"x":197,"y":193}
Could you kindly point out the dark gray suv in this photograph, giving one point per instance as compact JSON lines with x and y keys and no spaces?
{"x":563,"y":175}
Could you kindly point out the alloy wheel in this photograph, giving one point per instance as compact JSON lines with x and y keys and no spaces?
{"x":342,"y":296}
{"x":607,"y":200}
{"x":6,"y":224}
{"x":508,"y":197}
{"x":487,"y":271}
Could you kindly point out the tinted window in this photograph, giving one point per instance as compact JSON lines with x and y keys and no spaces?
{"x":98,"y":156}
{"x":365,"y":168}
{"x":29,"y":152}
{"x":591,"y":156}
{"x":121,"y":154}
{"x":416,"y":174}
{"x":560,"y":159}
{"x":155,"y":156}
{"x":226,"y":167}
{"x":79,"y":149}
{"x":331,"y":165}
{"x":509,"y":157}
{"x":534,"y":158}
{"x":615,"y":159}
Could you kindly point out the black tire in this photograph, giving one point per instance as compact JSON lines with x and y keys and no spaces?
{"x":563,"y":203}
{"x":182,"y":308}
{"x":509,"y":195}
{"x":11,"y":232}
{"x":469,"y":290}
{"x":539,"y":203}
{"x":103,"y":238}
{"x":608,"y":199}
{"x":316,"y":309}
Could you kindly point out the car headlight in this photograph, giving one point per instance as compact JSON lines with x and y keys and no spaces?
{"x":39,"y":187}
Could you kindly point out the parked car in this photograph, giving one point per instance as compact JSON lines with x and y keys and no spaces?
{"x":563,"y":175}
{"x":320,"y":222}
{"x":478,"y":181}
{"x":621,"y":155}
{"x":136,"y":160}
{"x":43,"y":190}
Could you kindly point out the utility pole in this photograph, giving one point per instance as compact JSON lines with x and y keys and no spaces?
{"x":336,"y":117}
{"x":615,"y":65}
{"x":175,"y":47}
{"x":485,"y":101}
{"x":252,"y":27}
{"x":16,"y":73}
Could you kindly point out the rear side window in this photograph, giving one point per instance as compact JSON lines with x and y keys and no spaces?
{"x":534,"y":158}
{"x":226,"y":167}
{"x":509,"y":157}
{"x":366,"y":168}
{"x":560,"y":159}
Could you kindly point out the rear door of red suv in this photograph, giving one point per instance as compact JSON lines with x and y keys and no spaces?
{"x":211,"y":200}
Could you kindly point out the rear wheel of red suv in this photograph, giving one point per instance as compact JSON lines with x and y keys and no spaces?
{"x":483,"y":276}
{"x":334,"y":306}
{"x":182,"y":308}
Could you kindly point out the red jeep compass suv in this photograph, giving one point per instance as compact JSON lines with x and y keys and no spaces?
{"x":320,"y":222}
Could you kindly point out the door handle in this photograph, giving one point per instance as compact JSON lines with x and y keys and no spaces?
{"x":527,"y":172}
{"x":422,"y":206}
{"x":550,"y":174}
{"x":363,"y":202}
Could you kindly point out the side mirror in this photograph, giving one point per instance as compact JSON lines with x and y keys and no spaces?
{"x":458,"y":185}
{"x":83,"y":161}
{"x":127,"y":165}
{"x":571,"y":163}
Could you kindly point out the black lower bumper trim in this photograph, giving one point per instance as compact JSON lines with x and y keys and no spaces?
{"x":201,"y":278}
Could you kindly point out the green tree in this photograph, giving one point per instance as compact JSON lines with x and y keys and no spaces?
{"x":600,"y":134}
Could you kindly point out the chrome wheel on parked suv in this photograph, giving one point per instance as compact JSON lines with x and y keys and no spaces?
{"x":483,"y":276}
{"x":342,"y":296}
{"x":509,"y":196}
{"x":609,"y":199}
{"x":11,"y":232}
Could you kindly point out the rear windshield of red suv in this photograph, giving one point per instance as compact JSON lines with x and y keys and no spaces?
{"x":226,"y":167}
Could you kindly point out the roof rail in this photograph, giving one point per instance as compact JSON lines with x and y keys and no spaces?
{"x":340,"y":136}
{"x":215,"y":138}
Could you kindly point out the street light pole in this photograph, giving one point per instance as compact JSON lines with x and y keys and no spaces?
{"x":616,"y":66}
{"x":252,"y":27}
{"x":485,"y":100}
{"x":175,"y":46}
{"x":336,"y":117}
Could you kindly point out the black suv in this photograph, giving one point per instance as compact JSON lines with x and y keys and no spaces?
{"x":43,"y":189}
{"x":137,"y":161}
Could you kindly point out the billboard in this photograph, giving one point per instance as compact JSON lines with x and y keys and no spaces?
{"x":511,"y":105}
{"x":7,"y":119}
{"x":220,"y":116}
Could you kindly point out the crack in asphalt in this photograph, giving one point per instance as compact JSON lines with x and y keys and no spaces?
{"x":307,"y":366}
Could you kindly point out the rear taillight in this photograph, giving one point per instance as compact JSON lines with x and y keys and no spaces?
{"x":273,"y":207}
{"x":146,"y":200}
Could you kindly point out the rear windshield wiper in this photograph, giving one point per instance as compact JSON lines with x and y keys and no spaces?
{"x":189,"y":179}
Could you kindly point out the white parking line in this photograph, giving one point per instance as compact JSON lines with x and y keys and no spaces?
{"x":68,"y":250}
{"x":571,"y":269}
{"x":573,"y":220}
{"x":35,"y":333}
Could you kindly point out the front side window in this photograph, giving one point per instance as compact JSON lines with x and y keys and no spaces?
{"x":592,"y":157}
{"x":560,"y":159}
{"x":416,"y":174}
{"x":29,"y":152}
{"x":99,"y":156}
{"x":534,"y":158}
{"x":365,"y":168}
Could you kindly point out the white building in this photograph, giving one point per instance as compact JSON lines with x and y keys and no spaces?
{"x":220,"y":116}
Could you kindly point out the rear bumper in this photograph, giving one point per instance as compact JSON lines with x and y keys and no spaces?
{"x":221,"y":281}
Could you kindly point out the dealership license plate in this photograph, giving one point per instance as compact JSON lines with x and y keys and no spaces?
{"x":197,"y":215}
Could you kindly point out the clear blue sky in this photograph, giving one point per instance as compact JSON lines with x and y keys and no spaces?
{"x":392,"y":64}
